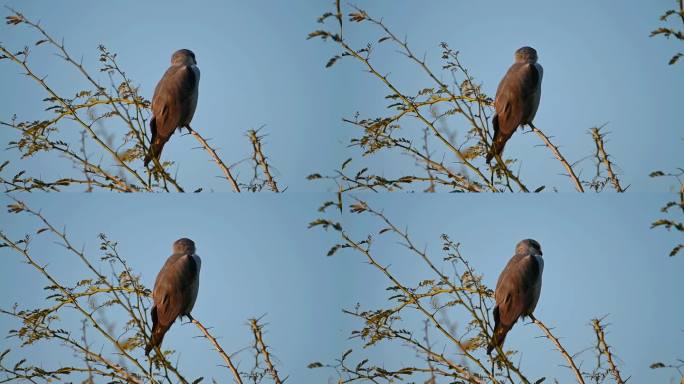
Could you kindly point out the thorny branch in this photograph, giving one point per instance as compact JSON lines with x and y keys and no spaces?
{"x":216,"y":158}
{"x":559,"y":347}
{"x":557,"y":154}
{"x":219,"y":349}
{"x":602,"y":158}
{"x":603,"y":349}
{"x":261,"y":349}
{"x":260,"y":160}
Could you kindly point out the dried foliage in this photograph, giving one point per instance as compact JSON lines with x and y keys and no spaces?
{"x":449,"y":159}
{"x":667,"y":32}
{"x":448,"y":352}
{"x":678,"y":367}
{"x":672,"y":208}
{"x":102,"y":350}
{"x":109,"y":120}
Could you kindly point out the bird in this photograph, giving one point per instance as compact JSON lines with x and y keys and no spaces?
{"x":517,"y":290}
{"x":174,"y":101}
{"x":175,"y":290}
{"x":517,"y":98}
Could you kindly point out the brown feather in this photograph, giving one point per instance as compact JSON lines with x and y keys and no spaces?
{"x":173,"y":106}
{"x":172,"y":295}
{"x":514,"y":295}
{"x":158,"y":332}
{"x":499,"y":336}
{"x":513,"y":104}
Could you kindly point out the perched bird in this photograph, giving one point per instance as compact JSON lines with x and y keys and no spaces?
{"x":175,"y":290}
{"x":517,"y":98}
{"x":174,"y":101}
{"x":517,"y":290}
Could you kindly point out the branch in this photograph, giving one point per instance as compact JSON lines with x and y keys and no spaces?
{"x":69,"y":297}
{"x":602,"y":157}
{"x":217,"y":159}
{"x":556,"y":152}
{"x":236,"y":375}
{"x":604,"y":349}
{"x":667,"y":32}
{"x":89,"y":296}
{"x":560,"y":349}
{"x":261,"y":347}
{"x":260,"y":159}
{"x":72,"y":111}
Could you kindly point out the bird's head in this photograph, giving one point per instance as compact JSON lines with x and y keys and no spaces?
{"x":528,"y":247}
{"x":184,"y":246}
{"x":183,"y":56}
{"x":525,"y":55}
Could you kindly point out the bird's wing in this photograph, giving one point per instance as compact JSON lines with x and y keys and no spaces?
{"x":172,"y":96}
{"x":172,"y":290}
{"x":190,"y":104}
{"x":515,"y":290}
{"x":514,"y":97}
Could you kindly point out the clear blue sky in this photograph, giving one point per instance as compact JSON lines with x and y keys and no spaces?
{"x":257,"y":68}
{"x":259,"y":257}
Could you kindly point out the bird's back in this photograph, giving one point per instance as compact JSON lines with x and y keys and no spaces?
{"x":517,"y":289}
{"x":175,"y":98}
{"x":514,"y":101}
{"x":174,"y":291}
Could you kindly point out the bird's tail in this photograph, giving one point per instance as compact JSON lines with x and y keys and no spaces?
{"x":498,"y":142}
{"x":156,"y":145}
{"x":498,"y":338}
{"x":158,"y":332}
{"x":154,"y":151}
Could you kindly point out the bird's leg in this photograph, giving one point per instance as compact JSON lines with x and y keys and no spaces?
{"x":531,"y":316}
{"x":189,"y":316}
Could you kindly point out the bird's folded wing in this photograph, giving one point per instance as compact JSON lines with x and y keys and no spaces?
{"x":514,"y":95}
{"x":172,"y":289}
{"x":515,"y":288}
{"x":172,"y":98}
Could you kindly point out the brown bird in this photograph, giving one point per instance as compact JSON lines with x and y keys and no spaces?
{"x":175,"y":290}
{"x":174,"y":101}
{"x":517,"y":98}
{"x":517,"y":291}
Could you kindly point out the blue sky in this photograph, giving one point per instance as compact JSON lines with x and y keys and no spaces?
{"x":259,"y":258}
{"x":601,"y":258}
{"x":258,"y":69}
